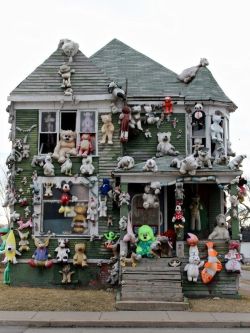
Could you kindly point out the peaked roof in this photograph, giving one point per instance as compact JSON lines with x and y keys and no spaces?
{"x":145,"y":76}
{"x":45,"y":80}
{"x":204,"y":87}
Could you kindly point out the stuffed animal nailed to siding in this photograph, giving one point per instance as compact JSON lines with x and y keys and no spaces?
{"x":107,"y":129}
{"x":65,"y":198}
{"x":62,"y":251}
{"x":125,"y":118}
{"x":41,"y":255}
{"x":164,"y":146}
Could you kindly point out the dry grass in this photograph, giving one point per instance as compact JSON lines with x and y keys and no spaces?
{"x":221,"y":305}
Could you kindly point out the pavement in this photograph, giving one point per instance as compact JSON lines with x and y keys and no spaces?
{"x":135,"y":319}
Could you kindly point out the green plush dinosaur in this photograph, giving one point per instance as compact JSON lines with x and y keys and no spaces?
{"x":146,"y":238}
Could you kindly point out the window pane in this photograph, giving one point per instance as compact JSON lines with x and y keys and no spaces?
{"x":47,"y":143}
{"x":87,"y":122}
{"x":48,"y":122}
{"x":55,"y":222}
{"x":68,"y":121}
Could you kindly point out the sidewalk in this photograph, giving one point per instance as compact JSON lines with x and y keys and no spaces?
{"x":181,"y":319}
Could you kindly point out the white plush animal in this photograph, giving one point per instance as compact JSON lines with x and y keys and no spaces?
{"x":116,"y":91}
{"x":164,"y":146}
{"x":124,"y":199}
{"x":187,"y":165}
{"x":150,"y":165}
{"x":102,"y":209}
{"x":87,"y":167}
{"x":67,"y":166}
{"x":136,"y":117}
{"x":221,"y":230}
{"x":189,"y":73}
{"x":48,"y":168}
{"x":125,"y":162}
{"x":216,"y":129}
{"x":123,"y":223}
{"x":235,"y":164}
{"x":192,"y":268}
{"x":150,"y":198}
{"x":69,"y":48}
{"x":203,"y":159}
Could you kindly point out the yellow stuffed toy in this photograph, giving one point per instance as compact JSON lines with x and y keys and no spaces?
{"x":10,"y":250}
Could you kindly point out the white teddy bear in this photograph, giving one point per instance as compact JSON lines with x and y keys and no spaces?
{"x":66,"y":145}
{"x":150,"y":165}
{"x":164,"y":146}
{"x":125,"y":162}
{"x":188,"y":165}
{"x":220,"y":231}
{"x":87,"y":167}
{"x":216,"y":129}
{"x":150,"y":198}
{"x":192,"y":268}
{"x":107,"y":129}
{"x":235,"y":164}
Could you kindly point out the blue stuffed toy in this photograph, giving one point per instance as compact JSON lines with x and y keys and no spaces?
{"x":105,"y":187}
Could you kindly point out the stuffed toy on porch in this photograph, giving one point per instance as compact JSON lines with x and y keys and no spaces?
{"x":233,"y":258}
{"x":145,"y":239}
{"x":192,"y":268}
{"x":221,"y":229}
{"x":212,"y":266}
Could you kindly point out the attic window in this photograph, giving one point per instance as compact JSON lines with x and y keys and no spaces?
{"x":68,"y":121}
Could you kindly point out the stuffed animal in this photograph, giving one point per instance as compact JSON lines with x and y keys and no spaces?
{"x":164,"y":146}
{"x":129,"y":236}
{"x":188,"y":74}
{"x":87,"y":167}
{"x":48,"y":189}
{"x":10,"y":250}
{"x":168,"y":105}
{"x":79,"y":224}
{"x":233,"y":258}
{"x":198,"y":117}
{"x":145,"y":239}
{"x":197,"y":146}
{"x":203,"y":159}
{"x":69,"y":47}
{"x":114,"y":274}
{"x":112,"y":243}
{"x":150,"y":195}
{"x":162,"y":246}
{"x":195,"y":209}
{"x":233,"y":199}
{"x":188,"y":165}
{"x":235,"y":164}
{"x":192,"y":241}
{"x":125,"y":162}
{"x":221,"y":230}
{"x":133,"y":260}
{"x":41,"y":255}
{"x":192,"y":268}
{"x":150,"y":117}
{"x":105,"y":188}
{"x":123,"y":223}
{"x":65,"y":72}
{"x":178,"y":219}
{"x":102,"y":209}
{"x":125,"y":118}
{"x":212,"y":266}
{"x":116,"y":90}
{"x":124,"y":199}
{"x":62,"y":250}
{"x":65,"y":198}
{"x":66,"y":274}
{"x":216,"y":129}
{"x":22,"y":224}
{"x":136,"y":117}
{"x":147,"y":134}
{"x":92,"y":211}
{"x":66,"y":145}
{"x":150,"y":165}
{"x":80,"y":258}
{"x":48,"y":168}
{"x":23,"y":243}
{"x":85,"y":147}
{"x":107,"y":129}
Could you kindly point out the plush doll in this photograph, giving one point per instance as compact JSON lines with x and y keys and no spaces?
{"x":195,"y":209}
{"x":212,"y":266}
{"x":136,"y":117}
{"x":105,"y":188}
{"x":23,"y":243}
{"x":179,"y":193}
{"x":204,"y":159}
{"x":198,"y":117}
{"x":221,"y":229}
{"x":192,"y":268}
{"x":132,"y":261}
{"x":86,"y":147}
{"x":188,"y":74}
{"x":10,"y":250}
{"x":48,"y":168}
{"x":116,"y":90}
{"x":216,"y":129}
{"x":197,"y":146}
{"x":164,"y":146}
{"x":233,"y":258}
{"x":235,"y":164}
{"x":123,"y":223}
{"x":124,"y":199}
{"x":188,"y":165}
{"x":102,"y":209}
{"x":48,"y":189}
{"x":112,"y":242}
{"x":65,"y":198}
{"x":23,"y":225}
{"x":192,"y":241}
{"x":80,"y":258}
{"x":66,"y":145}
{"x":67,"y":166}
{"x":162,"y":246}
{"x":41,"y":255}
{"x":125,"y":118}
{"x":242,"y":189}
{"x":145,"y":239}
{"x":3,"y":234}
{"x":129,"y":236}
{"x":114,"y":274}
{"x":150,"y":196}
{"x":168,"y":105}
{"x":125,"y":162}
{"x":107,"y":129}
{"x":178,"y":219}
{"x":150,"y":165}
{"x":92,"y":211}
{"x":62,"y":251}
{"x":79,"y":224}
{"x":87,"y":167}
{"x":66,"y":274}
{"x":65,"y":72}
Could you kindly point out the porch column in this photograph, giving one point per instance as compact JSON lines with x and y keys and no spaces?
{"x":234,"y":219}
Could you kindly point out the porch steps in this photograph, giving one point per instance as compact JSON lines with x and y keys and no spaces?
{"x":151,"y":285}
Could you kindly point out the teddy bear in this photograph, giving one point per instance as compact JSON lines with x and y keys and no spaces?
{"x":216,"y":129}
{"x":23,"y":243}
{"x":195,"y":208}
{"x":80,"y":258}
{"x":150,"y":198}
{"x":125,"y":162}
{"x":164,"y":146}
{"x":65,"y":72}
{"x":87,"y":167}
{"x":188,"y":165}
{"x":79,"y":224}
{"x":66,"y":274}
{"x":179,"y":192}
{"x":136,"y":117}
{"x":203,"y":159}
{"x":235,"y":164}
{"x":221,"y":230}
{"x":62,"y":250}
{"x":66,"y":145}
{"x":85,"y":147}
{"x":48,"y":168}
{"x":150,"y":165}
{"x":92,"y":211}
{"x":107,"y":129}
{"x":192,"y":268}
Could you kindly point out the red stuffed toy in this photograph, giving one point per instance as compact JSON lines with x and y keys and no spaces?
{"x":168,"y":104}
{"x":125,"y":118}
{"x":86,"y":146}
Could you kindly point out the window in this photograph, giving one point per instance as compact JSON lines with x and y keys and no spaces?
{"x":51,"y":122}
{"x":53,"y":216}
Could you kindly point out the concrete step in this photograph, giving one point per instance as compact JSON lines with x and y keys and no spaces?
{"x":151,"y":306}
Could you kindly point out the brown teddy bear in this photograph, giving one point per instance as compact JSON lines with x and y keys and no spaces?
{"x":80,"y":258}
{"x":107,"y":129}
{"x":66,"y":145}
{"x":79,"y":224}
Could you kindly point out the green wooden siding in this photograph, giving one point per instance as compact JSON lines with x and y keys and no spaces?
{"x":141,"y":148}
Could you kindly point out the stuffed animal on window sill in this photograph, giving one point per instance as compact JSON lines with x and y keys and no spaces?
{"x":62,"y":251}
{"x":41,"y":255}
{"x":86,"y":147}
{"x":66,"y":145}
{"x":65,"y":198}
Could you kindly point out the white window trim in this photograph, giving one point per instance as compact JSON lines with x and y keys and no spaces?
{"x":38,"y":208}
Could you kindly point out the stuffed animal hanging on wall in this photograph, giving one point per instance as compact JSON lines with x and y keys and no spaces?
{"x":10,"y":250}
{"x":41,"y":255}
{"x":125,"y":118}
{"x":65,"y":198}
